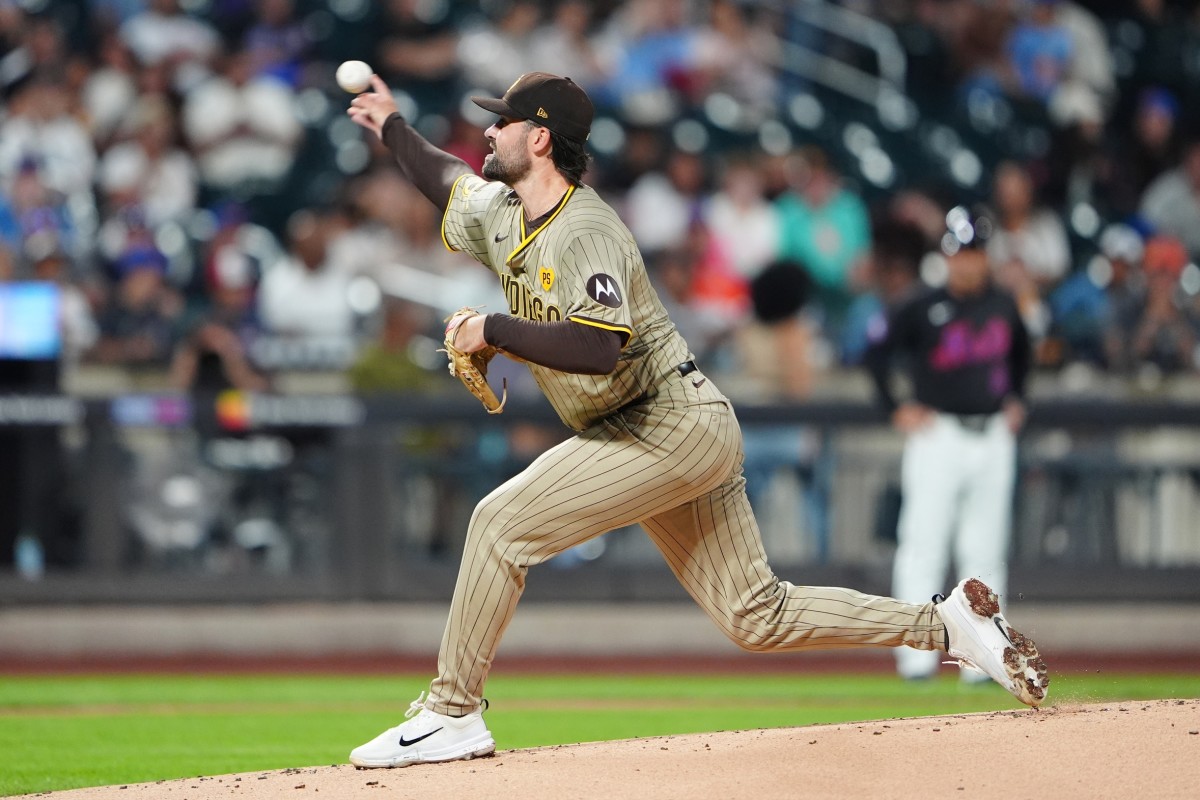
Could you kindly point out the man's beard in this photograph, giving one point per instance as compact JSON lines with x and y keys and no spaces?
{"x":507,"y":171}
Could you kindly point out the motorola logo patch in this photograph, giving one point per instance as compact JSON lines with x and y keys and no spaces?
{"x":603,"y":289}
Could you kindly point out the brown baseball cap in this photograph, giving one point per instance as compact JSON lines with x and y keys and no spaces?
{"x":548,"y":100}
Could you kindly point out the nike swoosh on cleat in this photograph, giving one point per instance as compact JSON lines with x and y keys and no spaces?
{"x":1000,"y":627}
{"x":410,"y":742}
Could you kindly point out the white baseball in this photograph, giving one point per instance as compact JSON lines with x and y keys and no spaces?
{"x":354,"y":76}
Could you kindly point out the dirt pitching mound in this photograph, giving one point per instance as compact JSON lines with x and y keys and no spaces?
{"x":1131,"y":749}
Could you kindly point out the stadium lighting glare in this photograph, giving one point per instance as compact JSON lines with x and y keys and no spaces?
{"x":690,"y":136}
{"x":877,"y":167}
{"x":312,"y":106}
{"x":608,"y":136}
{"x":859,"y":139}
{"x":806,"y":111}
{"x":965,"y":167}
{"x":349,"y":10}
{"x":724,"y":111}
{"x":1084,"y":220}
{"x":352,"y":157}
{"x":775,"y":138}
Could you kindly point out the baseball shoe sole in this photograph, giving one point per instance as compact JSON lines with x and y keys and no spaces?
{"x":979,"y":636}
{"x":426,"y":737}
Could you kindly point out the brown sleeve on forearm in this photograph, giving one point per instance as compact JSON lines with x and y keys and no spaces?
{"x":431,"y":170}
{"x":565,"y":346}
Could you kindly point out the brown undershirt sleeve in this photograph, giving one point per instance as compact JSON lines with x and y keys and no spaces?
{"x":431,"y":170}
{"x":564,"y":346}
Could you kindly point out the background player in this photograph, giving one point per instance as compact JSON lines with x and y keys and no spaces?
{"x":656,"y":443}
{"x":968,"y":354}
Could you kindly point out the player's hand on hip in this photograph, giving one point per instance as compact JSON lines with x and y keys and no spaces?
{"x":467,"y":332}
{"x":912,"y":417}
{"x":372,"y":108}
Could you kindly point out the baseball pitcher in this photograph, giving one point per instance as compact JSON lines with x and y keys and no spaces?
{"x":656,"y":441}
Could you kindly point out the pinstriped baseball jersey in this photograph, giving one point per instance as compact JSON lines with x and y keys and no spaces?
{"x":580,"y":265}
{"x":656,"y":445}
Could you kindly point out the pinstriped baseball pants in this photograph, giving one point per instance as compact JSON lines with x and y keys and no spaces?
{"x":674,"y":465}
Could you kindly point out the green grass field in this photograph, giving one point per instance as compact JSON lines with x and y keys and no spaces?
{"x":71,"y":731}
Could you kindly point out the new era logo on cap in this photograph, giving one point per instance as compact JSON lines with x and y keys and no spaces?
{"x":555,"y":103}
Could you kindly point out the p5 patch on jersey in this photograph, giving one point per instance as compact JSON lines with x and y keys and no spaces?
{"x":603,"y":289}
{"x":545,"y":278}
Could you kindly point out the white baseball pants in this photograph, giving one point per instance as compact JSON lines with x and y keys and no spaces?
{"x":957,"y":486}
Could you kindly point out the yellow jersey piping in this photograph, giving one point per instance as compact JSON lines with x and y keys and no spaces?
{"x":529,"y":237}
{"x":446,"y":212}
{"x":608,"y":327}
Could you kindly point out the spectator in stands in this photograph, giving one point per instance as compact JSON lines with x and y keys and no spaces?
{"x":463,"y":141}
{"x":824,"y":226}
{"x":1153,"y":147}
{"x":1171,"y":203}
{"x":237,"y":252}
{"x":215,"y":354}
{"x":149,"y":169}
{"x":780,"y":294}
{"x":564,"y":46}
{"x":39,"y":127}
{"x":139,"y":326}
{"x":242,"y":128}
{"x":671,"y":273}
{"x":164,"y":35}
{"x":33,"y":216}
{"x":1040,"y":51}
{"x":645,"y":151}
{"x":110,"y":90}
{"x":737,"y":56}
{"x":1125,"y":295}
{"x":1158,"y":40}
{"x":371,"y":240}
{"x":389,"y":223}
{"x":1165,"y":338}
{"x":718,"y":291}
{"x":662,"y":204}
{"x":500,"y":46}
{"x":652,"y":46}
{"x":300,"y":295}
{"x":1091,"y":64}
{"x":739,"y":217}
{"x":277,"y":42}
{"x":1029,"y":251}
{"x":977,"y":35}
{"x":894,"y":275}
{"x":417,"y":49}
{"x":40,"y":51}
{"x":1076,"y":167}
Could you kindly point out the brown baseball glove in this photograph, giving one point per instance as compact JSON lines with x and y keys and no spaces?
{"x":471,"y":368}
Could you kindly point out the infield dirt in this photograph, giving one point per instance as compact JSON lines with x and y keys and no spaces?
{"x":1131,"y":749}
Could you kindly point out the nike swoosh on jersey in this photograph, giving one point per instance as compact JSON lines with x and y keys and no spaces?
{"x":410,"y":742}
{"x":500,"y":238}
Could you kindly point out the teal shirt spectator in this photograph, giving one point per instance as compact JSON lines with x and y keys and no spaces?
{"x":828,"y":240}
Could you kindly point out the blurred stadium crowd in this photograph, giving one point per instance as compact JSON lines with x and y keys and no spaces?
{"x":184,"y":173}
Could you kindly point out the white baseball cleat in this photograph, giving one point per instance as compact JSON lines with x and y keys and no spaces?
{"x":980,"y":637}
{"x":426,"y":737}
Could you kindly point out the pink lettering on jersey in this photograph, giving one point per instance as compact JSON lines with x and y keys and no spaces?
{"x":961,"y":345}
